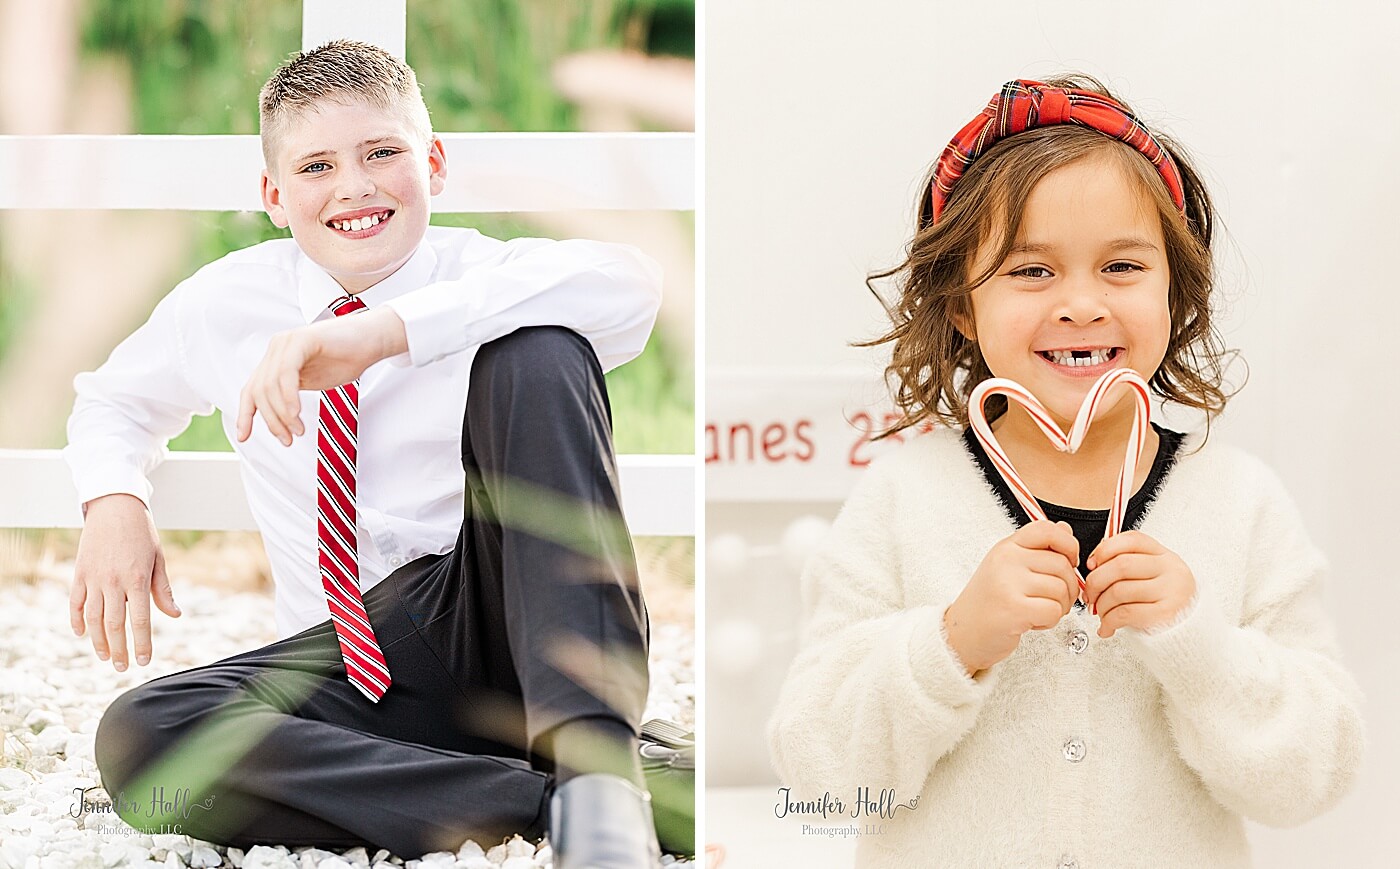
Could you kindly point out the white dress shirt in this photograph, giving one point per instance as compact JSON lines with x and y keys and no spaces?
{"x":459,"y":290}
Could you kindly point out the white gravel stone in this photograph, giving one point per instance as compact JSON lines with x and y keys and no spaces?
{"x":56,"y":691}
{"x":469,"y":849}
{"x":38,"y":719}
{"x":14,"y":779}
{"x":310,"y":858}
{"x":544,"y":855}
{"x":79,"y":745}
{"x":173,"y":861}
{"x":263,"y":857}
{"x":334,"y":862}
{"x":518,"y":863}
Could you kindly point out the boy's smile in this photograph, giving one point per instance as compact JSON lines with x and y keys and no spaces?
{"x":353,"y":182}
{"x":1084,"y":289}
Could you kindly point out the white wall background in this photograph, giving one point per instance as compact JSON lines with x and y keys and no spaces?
{"x":821,"y":118}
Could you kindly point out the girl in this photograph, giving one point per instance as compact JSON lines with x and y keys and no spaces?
{"x":949,"y":680}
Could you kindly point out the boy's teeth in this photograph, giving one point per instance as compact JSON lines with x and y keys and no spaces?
{"x":1067,"y":358}
{"x":358,"y":223}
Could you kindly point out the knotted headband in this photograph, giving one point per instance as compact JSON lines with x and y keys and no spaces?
{"x":1024,"y":105}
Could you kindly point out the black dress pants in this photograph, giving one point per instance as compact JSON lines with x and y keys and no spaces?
{"x":535,"y":618}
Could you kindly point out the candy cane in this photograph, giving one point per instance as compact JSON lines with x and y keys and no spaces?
{"x":977,"y":416}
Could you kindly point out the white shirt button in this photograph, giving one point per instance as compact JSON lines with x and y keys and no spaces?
{"x":1068,"y":862}
{"x":1074,"y":750}
{"x":1078,"y":641}
{"x":395,"y":561}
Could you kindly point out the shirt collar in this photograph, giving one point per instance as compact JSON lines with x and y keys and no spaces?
{"x":316,"y":289}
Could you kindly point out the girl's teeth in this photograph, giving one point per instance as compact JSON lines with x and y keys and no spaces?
{"x":1068,"y":359}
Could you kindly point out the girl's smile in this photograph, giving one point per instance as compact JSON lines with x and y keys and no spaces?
{"x":1083,"y":290}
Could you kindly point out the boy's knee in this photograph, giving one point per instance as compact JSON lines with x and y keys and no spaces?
{"x":117,"y":745}
{"x":537,"y":356}
{"x":128,"y":737}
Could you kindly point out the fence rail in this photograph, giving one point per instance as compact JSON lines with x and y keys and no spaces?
{"x":487,"y":172}
{"x":204,"y":492}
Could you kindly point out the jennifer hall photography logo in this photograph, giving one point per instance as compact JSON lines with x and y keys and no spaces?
{"x":867,"y":805}
{"x":165,"y":810}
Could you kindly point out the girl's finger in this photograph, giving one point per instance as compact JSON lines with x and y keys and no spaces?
{"x":1129,"y":541}
{"x":1044,"y":613}
{"x":1052,"y":586}
{"x":1125,"y":591}
{"x":1131,"y":565}
{"x":1055,"y":536}
{"x":1126,"y":615}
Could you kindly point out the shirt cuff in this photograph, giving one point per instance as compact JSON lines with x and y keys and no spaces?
{"x":936,"y":666}
{"x":1186,"y":651}
{"x":433,"y":322}
{"x":113,"y":480}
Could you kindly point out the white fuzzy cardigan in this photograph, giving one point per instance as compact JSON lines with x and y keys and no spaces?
{"x":1240,"y":707}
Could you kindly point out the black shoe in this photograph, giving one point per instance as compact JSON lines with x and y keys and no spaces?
{"x":668,"y":763}
{"x":602,"y":821}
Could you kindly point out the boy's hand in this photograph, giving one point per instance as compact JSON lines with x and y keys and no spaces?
{"x":1025,"y":582}
{"x":1136,"y":582}
{"x":120,"y":567}
{"x":320,"y":356}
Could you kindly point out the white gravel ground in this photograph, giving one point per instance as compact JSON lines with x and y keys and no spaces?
{"x":53,"y":691}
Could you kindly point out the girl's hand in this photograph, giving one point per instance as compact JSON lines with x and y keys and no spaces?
{"x":1025,"y":582}
{"x":1136,"y":582}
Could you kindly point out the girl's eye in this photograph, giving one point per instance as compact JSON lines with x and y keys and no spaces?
{"x":311,"y":168}
{"x":387,"y":152}
{"x":1033,"y":272}
{"x":1122,"y":268}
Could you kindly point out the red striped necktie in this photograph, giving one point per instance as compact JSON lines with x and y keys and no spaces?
{"x":335,"y":531}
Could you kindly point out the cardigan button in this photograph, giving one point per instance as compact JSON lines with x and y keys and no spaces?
{"x":1075,"y":750}
{"x":1078,"y":641}
{"x":1068,"y":862}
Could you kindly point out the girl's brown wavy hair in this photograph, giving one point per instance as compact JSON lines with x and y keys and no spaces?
{"x":934,"y":367}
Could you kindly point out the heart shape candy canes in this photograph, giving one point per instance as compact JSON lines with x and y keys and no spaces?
{"x":1065,"y":443}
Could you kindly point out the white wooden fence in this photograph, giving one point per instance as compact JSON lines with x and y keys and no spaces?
{"x":491,"y":172}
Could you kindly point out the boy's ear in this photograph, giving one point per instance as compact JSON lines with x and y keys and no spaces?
{"x":437,"y":167}
{"x":272,"y":201}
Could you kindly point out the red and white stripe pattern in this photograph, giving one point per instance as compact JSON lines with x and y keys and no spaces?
{"x":335,"y":531}
{"x":1066,"y":443}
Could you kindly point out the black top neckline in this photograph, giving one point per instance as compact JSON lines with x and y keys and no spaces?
{"x":1167,"y":448}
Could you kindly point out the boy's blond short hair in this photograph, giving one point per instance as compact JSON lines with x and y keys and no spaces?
{"x":339,"y":71}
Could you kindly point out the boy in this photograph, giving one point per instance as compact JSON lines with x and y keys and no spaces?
{"x":483,"y":668}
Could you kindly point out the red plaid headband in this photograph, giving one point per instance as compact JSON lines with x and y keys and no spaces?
{"x":1023,"y":105}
